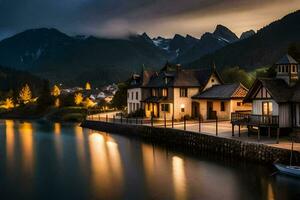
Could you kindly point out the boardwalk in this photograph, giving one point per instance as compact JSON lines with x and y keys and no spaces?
{"x":209,"y":128}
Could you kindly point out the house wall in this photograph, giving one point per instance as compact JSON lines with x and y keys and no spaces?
{"x":243,"y":107}
{"x":168,"y":114}
{"x":257,"y":107}
{"x":230,"y":106}
{"x":183,"y":101}
{"x":133,"y":103}
{"x":285,"y":118}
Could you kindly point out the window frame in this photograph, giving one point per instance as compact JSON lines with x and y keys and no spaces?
{"x":165,"y":107}
{"x":183,"y":92}
{"x":222,"y":106}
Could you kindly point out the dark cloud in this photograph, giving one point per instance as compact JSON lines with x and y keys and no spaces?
{"x":118,"y":17}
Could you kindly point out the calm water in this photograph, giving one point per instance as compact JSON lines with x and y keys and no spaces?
{"x":54,"y":161}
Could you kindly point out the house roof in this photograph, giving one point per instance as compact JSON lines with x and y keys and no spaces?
{"x":154,"y":99}
{"x":278,"y":89}
{"x":226,"y":91}
{"x":182,"y":78}
{"x":286,"y":59}
{"x":140,"y":80}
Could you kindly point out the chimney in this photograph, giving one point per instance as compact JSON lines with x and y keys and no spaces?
{"x":178,"y":67}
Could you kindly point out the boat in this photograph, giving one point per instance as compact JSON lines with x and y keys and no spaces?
{"x":289,"y":169}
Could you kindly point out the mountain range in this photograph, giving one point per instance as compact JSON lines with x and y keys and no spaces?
{"x":261,"y":49}
{"x":74,"y":60}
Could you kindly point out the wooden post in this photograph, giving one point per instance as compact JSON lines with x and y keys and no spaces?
{"x":232,"y":130}
{"x":106,"y":118}
{"x":184,"y":123}
{"x":152,"y":120}
{"x":126,"y":120}
{"x":142,"y":121}
{"x":165,"y":120}
{"x":278,"y":132}
{"x":269,"y":131}
{"x":199,"y":124}
{"x":172,"y":121}
{"x":239,"y":130}
{"x":136,"y":120}
{"x":216,"y":125}
{"x":113,"y":118}
{"x":258,"y":134}
{"x":121,"y":118}
{"x":99,"y":118}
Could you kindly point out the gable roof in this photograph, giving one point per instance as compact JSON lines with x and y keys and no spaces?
{"x":182,"y":78}
{"x":277,"y":88}
{"x":140,"y":80}
{"x":226,"y":91}
{"x":286,"y":59}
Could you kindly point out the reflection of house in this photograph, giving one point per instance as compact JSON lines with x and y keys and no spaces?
{"x":275,"y":101}
{"x":220,"y":100}
{"x":176,"y":92}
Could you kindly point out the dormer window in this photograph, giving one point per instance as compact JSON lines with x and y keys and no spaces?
{"x":294,"y":68}
{"x":154,"y":92}
{"x":164,"y":92}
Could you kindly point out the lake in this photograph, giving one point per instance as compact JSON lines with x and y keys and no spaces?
{"x":41,"y":160}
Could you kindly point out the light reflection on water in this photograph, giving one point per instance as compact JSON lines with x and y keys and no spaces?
{"x":64,"y":161}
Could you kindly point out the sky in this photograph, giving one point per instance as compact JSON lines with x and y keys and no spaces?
{"x":117,"y":18}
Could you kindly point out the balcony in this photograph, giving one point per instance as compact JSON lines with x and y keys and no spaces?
{"x":254,"y":120}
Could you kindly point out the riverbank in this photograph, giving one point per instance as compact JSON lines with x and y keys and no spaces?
{"x":199,"y":142}
{"x":64,"y":114}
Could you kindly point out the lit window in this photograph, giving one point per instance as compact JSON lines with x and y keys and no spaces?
{"x":165,"y":92}
{"x":267,"y":108}
{"x":183,"y":92}
{"x":182,"y":106}
{"x":154,"y":92}
{"x":294,"y":68}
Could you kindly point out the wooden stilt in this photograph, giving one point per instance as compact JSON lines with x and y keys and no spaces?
{"x":172,"y":121}
{"x":269,"y":132}
{"x":184,"y":123}
{"x":165,"y":120}
{"x":239,"y":130}
{"x":199,"y":124}
{"x":258,"y":134}
{"x":232,"y":130}
{"x":216,"y":125}
{"x":278,"y":132}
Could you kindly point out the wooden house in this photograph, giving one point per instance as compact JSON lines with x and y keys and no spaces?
{"x":275,"y":101}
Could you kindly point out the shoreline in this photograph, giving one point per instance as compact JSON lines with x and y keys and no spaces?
{"x":199,"y":142}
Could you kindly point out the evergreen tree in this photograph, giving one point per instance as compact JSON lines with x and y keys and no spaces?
{"x":25,"y":94}
{"x":45,"y":99}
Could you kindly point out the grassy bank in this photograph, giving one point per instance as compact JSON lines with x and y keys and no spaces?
{"x":64,"y":114}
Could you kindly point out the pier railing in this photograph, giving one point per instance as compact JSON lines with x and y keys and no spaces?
{"x":254,"y":120}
